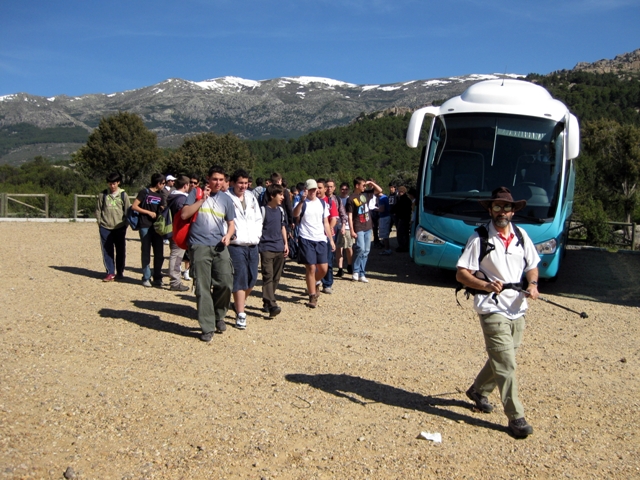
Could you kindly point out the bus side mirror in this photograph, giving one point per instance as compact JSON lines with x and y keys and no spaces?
{"x":573,"y":138}
{"x":415,"y":124}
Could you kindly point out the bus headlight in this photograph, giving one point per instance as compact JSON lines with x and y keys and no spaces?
{"x":425,"y":237}
{"x":548,"y":247}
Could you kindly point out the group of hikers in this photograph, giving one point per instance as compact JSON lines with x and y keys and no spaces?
{"x":235,"y":228}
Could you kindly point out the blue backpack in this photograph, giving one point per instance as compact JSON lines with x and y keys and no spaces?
{"x":133,"y":217}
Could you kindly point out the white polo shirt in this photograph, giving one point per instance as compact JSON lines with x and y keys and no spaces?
{"x":504,"y":264}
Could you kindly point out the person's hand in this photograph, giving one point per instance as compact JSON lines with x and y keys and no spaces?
{"x":286,"y":250}
{"x":493,"y":287}
{"x":532,"y":292}
{"x":153,"y":215}
{"x":206,"y":191}
{"x":342,"y":230}
{"x":354,"y":235}
{"x":333,"y":246}
{"x":225,"y":240}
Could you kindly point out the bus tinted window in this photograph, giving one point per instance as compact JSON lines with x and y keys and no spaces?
{"x":472,"y":154}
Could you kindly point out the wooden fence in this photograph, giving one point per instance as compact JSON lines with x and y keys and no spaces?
{"x":77,"y":211}
{"x":6,"y":198}
{"x":624,"y":239}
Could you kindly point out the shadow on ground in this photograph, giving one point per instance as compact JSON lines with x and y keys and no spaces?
{"x":350,"y":388}
{"x":85,"y":272}
{"x":186,"y":311}
{"x":152,"y":322}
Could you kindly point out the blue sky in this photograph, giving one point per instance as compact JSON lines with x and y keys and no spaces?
{"x":78,"y":47}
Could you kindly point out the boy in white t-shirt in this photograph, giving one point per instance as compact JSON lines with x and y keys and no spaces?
{"x":313,"y":230}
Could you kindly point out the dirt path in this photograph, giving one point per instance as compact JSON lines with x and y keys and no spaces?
{"x":111,"y":380}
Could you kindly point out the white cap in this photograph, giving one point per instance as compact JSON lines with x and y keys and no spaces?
{"x":171,"y":177}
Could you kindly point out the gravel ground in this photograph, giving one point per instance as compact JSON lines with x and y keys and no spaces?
{"x":111,"y":381}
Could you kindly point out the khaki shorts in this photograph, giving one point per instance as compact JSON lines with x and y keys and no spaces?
{"x":345,"y":241}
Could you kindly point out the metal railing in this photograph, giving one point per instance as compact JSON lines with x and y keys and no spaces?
{"x":5,"y":198}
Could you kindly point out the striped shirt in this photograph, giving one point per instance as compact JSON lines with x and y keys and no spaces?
{"x":211,"y":224}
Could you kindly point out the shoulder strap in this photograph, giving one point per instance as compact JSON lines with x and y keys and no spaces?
{"x":282,"y":214}
{"x":519,"y":236}
{"x":485,"y":246}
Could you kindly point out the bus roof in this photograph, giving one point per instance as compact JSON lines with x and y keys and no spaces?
{"x":507,"y":96}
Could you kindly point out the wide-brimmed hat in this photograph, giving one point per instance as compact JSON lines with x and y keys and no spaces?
{"x":504,"y":194}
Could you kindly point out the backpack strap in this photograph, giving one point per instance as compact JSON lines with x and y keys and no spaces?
{"x":485,"y":247}
{"x":282,"y":214}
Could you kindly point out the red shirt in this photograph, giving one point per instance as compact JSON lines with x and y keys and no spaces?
{"x":333,"y":207}
{"x":506,"y":241}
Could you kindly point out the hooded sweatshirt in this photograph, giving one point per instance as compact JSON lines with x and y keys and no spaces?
{"x":111,"y":210}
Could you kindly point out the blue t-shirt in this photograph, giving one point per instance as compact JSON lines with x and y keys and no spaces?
{"x":213,"y":215}
{"x":383,"y":203}
{"x":271,"y":240}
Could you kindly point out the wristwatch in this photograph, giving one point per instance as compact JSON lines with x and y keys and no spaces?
{"x":533,"y":283}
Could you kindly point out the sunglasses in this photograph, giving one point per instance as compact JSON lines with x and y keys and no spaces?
{"x":193,"y":183}
{"x":507,"y":208}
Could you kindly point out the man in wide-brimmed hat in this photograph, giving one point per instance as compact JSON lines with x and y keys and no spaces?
{"x":491,"y":267}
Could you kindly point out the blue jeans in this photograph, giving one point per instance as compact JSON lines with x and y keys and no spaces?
{"x":361,"y":249}
{"x":149,"y":238}
{"x":114,"y":240}
{"x":327,"y":281}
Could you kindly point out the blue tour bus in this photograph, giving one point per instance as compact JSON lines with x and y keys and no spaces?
{"x":497,"y":133}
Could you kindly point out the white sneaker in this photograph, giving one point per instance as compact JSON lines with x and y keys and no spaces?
{"x":186,"y":276}
{"x":363,"y":279}
{"x":241,"y":321}
{"x":355,"y":277}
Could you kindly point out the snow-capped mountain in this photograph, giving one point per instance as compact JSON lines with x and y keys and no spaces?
{"x":278,"y":108}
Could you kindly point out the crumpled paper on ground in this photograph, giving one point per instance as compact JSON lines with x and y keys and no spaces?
{"x":434,"y":437}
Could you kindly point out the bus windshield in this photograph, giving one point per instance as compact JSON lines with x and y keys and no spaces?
{"x":470,"y":155}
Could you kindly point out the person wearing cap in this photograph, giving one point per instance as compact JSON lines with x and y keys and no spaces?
{"x":169,"y":186}
{"x":313,"y":230}
{"x":491,"y":266}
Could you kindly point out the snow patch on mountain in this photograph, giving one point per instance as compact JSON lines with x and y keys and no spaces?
{"x":325,"y":81}
{"x":227,"y":83}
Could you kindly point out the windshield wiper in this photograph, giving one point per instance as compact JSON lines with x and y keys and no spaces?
{"x":449,"y":208}
{"x":531,"y":219}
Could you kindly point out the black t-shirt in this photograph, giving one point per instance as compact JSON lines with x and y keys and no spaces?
{"x":152,"y":201}
{"x":271,"y":240}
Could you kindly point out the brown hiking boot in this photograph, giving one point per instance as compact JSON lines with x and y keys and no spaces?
{"x":313,"y":301}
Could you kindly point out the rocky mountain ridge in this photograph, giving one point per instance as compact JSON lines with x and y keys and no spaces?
{"x":621,"y":64}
